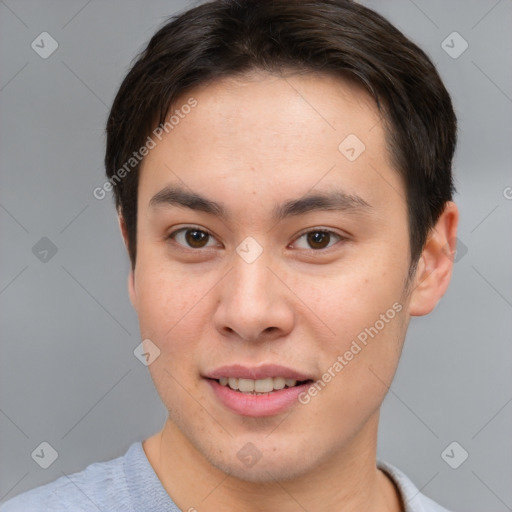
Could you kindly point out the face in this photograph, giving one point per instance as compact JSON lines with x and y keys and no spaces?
{"x":271,"y":246}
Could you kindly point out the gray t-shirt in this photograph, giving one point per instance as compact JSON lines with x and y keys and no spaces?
{"x":129,"y":484}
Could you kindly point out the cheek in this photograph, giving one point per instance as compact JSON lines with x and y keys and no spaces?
{"x":173,"y":316}
{"x":354,"y":298}
{"x":170,"y":307}
{"x":362,"y":305}
{"x":359,"y":360}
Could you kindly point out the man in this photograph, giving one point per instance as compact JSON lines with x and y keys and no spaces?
{"x":282,"y":175}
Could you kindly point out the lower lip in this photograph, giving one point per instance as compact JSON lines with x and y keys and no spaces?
{"x":269,"y":404}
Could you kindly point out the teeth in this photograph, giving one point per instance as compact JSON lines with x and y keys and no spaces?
{"x":264,"y":385}
{"x":245,"y":385}
{"x":259,"y":386}
{"x":279,"y":382}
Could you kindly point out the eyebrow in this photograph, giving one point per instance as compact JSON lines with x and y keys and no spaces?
{"x":177,"y":196}
{"x":334,"y":200}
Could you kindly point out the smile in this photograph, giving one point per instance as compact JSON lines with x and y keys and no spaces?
{"x":259,"y":386}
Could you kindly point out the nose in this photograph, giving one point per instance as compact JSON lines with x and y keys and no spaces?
{"x":254,"y":303}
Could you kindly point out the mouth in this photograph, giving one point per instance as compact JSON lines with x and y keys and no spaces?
{"x":260,"y":387}
{"x":265,"y":390}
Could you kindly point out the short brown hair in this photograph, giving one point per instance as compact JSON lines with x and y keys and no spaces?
{"x":231,"y":37}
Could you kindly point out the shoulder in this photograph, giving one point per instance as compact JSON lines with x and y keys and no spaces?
{"x":100,"y":486}
{"x":412,"y":498}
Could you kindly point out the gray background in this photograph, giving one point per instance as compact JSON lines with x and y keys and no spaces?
{"x":68,"y":375}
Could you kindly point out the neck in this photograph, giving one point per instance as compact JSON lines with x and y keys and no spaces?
{"x":347,"y":481}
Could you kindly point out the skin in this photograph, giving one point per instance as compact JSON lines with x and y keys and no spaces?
{"x":250,"y":143}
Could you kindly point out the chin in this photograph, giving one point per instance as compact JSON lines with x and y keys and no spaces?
{"x":270,"y":467}
{"x":264,"y":474}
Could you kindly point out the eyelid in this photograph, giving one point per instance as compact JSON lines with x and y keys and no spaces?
{"x":172,"y":234}
{"x":342,"y":238}
{"x":188,"y":226}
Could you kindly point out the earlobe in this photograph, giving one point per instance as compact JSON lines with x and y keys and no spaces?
{"x":435,"y":266}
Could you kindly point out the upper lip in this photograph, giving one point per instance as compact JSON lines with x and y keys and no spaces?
{"x":257,"y":372}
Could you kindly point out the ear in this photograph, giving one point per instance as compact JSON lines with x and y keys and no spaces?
{"x":131,"y":275}
{"x":435,"y":265}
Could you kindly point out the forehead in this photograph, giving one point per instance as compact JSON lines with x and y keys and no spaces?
{"x":262,"y":133}
{"x":285,"y":106}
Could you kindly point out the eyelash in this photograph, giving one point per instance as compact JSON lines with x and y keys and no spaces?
{"x":173,"y":235}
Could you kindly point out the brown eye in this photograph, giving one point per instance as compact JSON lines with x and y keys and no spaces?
{"x":196,"y":238}
{"x":318,"y":239}
{"x":192,"y":238}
